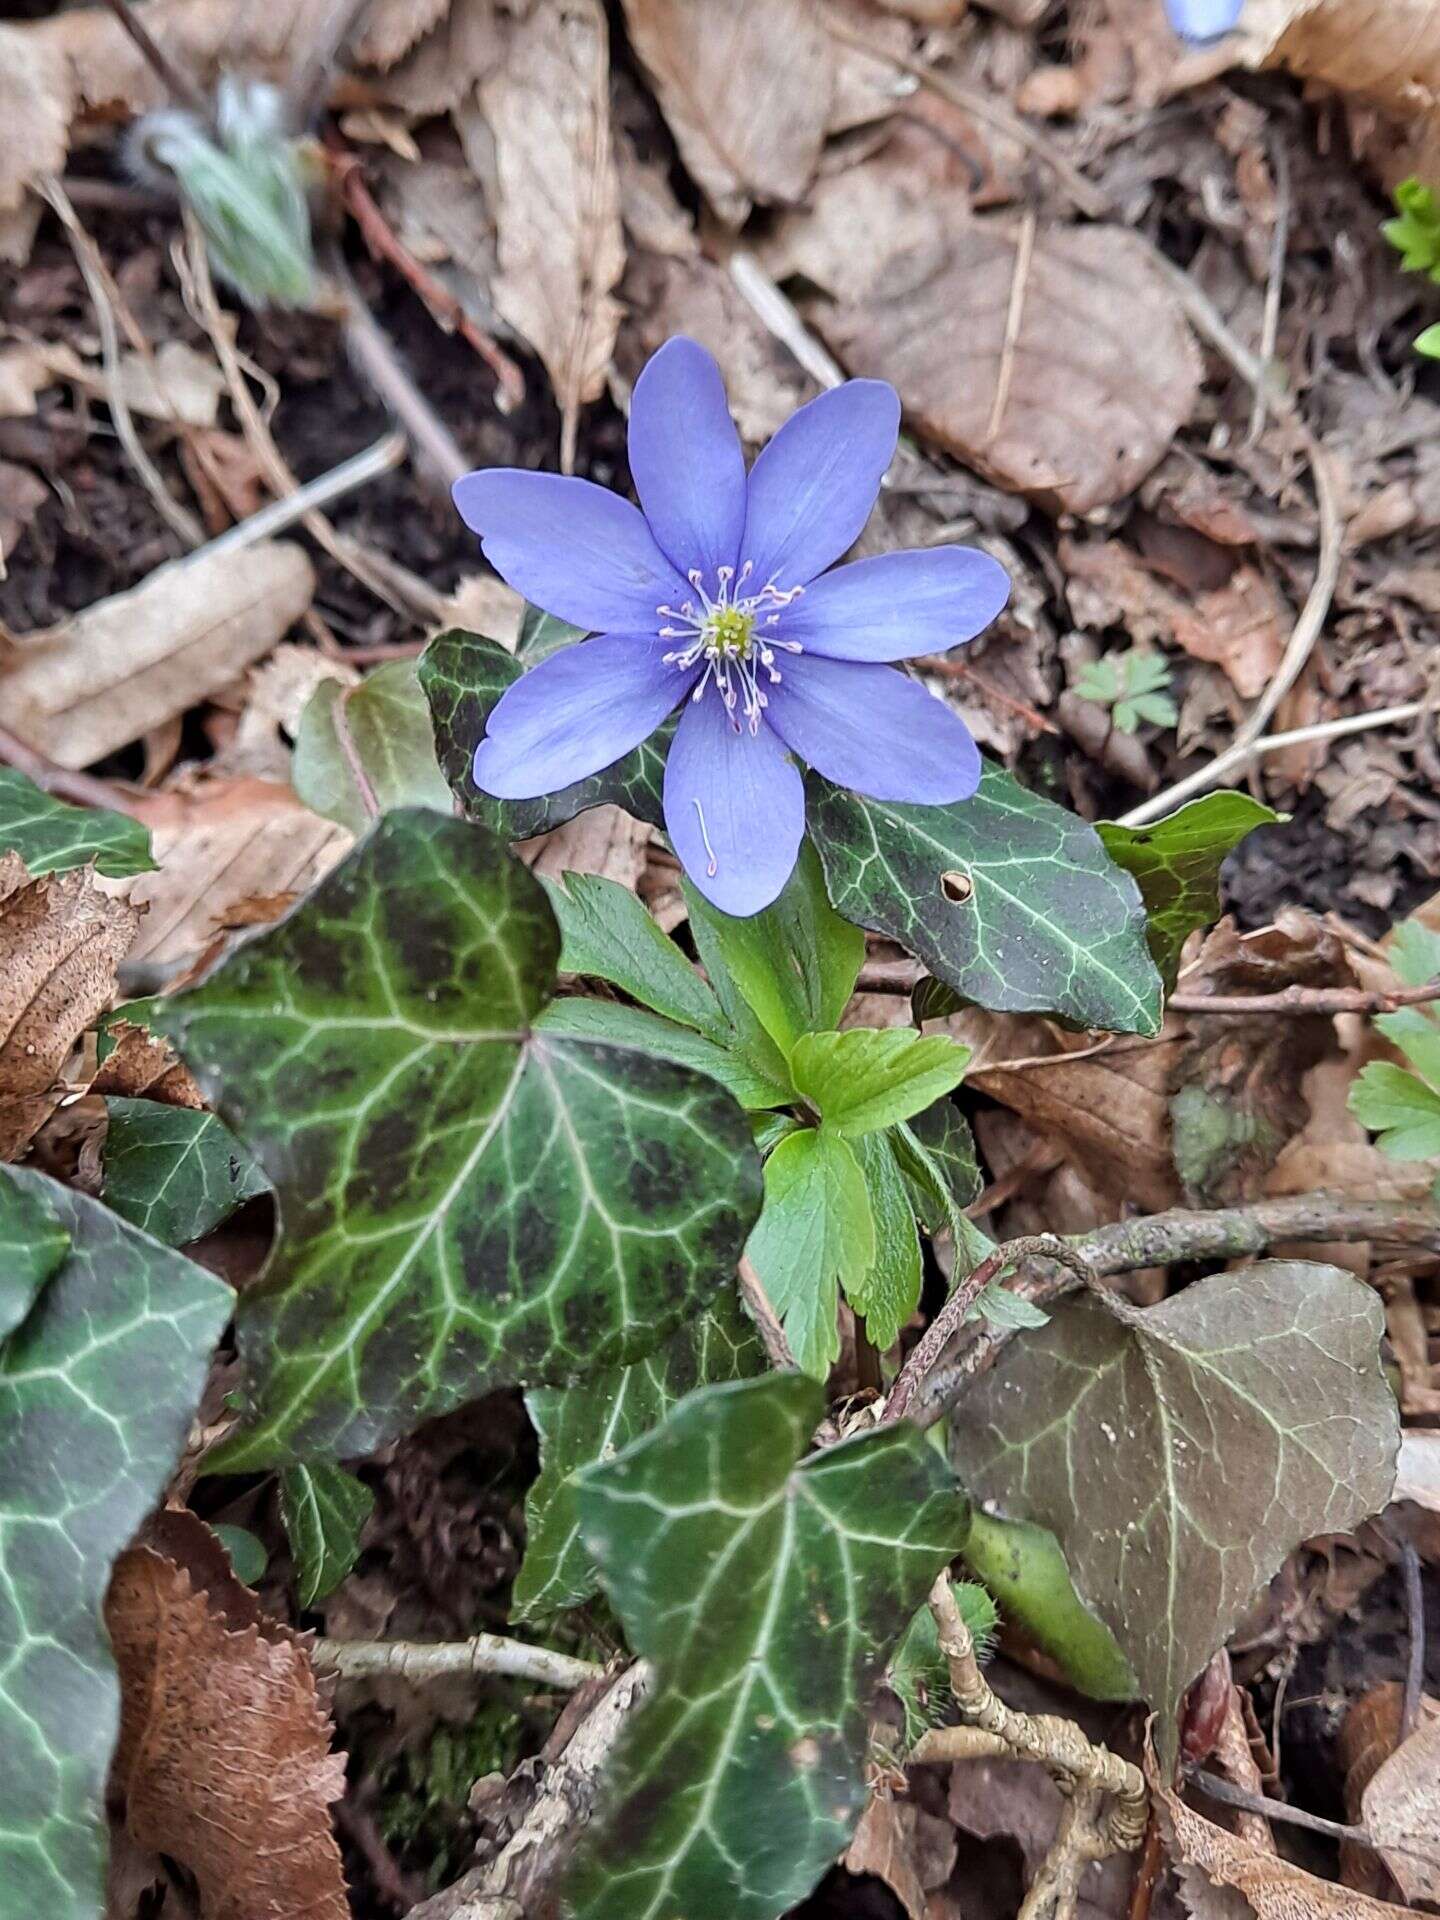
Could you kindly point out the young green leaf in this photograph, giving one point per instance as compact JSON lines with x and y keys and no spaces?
{"x":608,"y":1021}
{"x":464,"y":1201}
{"x":1414,"y":952}
{"x":768,"y":1595}
{"x":1023,"y":1567}
{"x":173,"y":1172}
{"x":606,"y":934}
{"x":98,"y":1387}
{"x":870,"y":1077}
{"x":890,"y":1291}
{"x":919,"y":1674}
{"x":33,"y":1242}
{"x":936,"y":1155}
{"x":591,"y":1420}
{"x":324,"y":1509}
{"x":247,"y":1554}
{"x":1399,"y":1107}
{"x":1428,"y":342}
{"x":362,"y":750}
{"x":815,"y":1236}
{"x":999,"y":1307}
{"x":1132,"y":684}
{"x":1008,"y":899}
{"x":1211,"y":1434}
{"x":51,"y":836}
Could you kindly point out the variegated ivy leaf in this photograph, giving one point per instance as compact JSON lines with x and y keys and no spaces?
{"x":768,"y":1592}
{"x":323,"y":1508}
{"x":464,"y":1201}
{"x":51,"y":836}
{"x":173,"y":1172}
{"x":1210,"y":1435}
{"x":33,"y":1242}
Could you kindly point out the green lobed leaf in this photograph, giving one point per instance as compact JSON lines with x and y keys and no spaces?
{"x":1414,"y":952}
{"x":795,"y":964}
{"x":1177,"y":863}
{"x":1022,"y":1565}
{"x":464,"y":1201}
{"x":463,"y":676}
{"x":1416,"y":1033}
{"x":935,"y":1152}
{"x":324,"y":1508}
{"x":608,"y":1021}
{"x":870,"y":1077}
{"x":890,"y":1291}
{"x":383,"y":728}
{"x":173,"y":1172}
{"x":592,"y":1420}
{"x":606,"y":933}
{"x":768,"y":1595}
{"x":815,"y":1238}
{"x":97,"y":1390}
{"x":1211,"y":1434}
{"x":1399,"y":1107}
{"x":51,"y":836}
{"x":1008,"y":899}
{"x":33,"y":1242}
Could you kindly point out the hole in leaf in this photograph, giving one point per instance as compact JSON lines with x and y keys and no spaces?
{"x":957,"y":886}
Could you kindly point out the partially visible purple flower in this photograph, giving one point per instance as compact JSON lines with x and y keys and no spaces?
{"x":714,"y":595}
{"x":1203,"y":20}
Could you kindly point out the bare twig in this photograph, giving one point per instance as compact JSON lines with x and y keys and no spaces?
{"x":358,"y":471}
{"x":81,"y":788}
{"x":782,"y":317}
{"x":419,"y":1661}
{"x":178,"y":85}
{"x":1302,"y":1000}
{"x":962,"y":670}
{"x":1229,"y":1795}
{"x":1275,"y":285}
{"x":1014,"y":320}
{"x":1415,"y":1624}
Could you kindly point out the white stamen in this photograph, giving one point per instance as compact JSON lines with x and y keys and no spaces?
{"x":714,"y":866}
{"x":732,"y":632}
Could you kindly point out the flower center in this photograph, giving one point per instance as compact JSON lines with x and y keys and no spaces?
{"x":731,"y":631}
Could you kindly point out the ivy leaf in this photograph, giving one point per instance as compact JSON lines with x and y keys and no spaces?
{"x":323,"y":1508}
{"x":1177,"y":864}
{"x":463,"y":676}
{"x":1008,"y":899}
{"x":869,"y":1077}
{"x":541,"y":634}
{"x":606,"y":934}
{"x":768,"y":1596}
{"x":33,"y":1242}
{"x":815,"y":1237}
{"x":97,"y":1390}
{"x":936,"y":1154}
{"x":590,"y":1422}
{"x":172,"y":1171}
{"x":51,"y":836}
{"x":890,"y":1292}
{"x":608,"y":1021}
{"x":1212,"y":1434}
{"x":796,"y":963}
{"x":464,"y":1201}
{"x":1400,"y":1108}
{"x":378,"y":733}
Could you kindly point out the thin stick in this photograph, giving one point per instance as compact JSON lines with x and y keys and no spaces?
{"x":1274,"y":287}
{"x":421,"y":1661}
{"x":782,"y":317}
{"x":81,"y":788}
{"x":358,"y":471}
{"x":961,"y":670}
{"x":177,"y":84}
{"x":1003,"y":119}
{"x":1229,"y":1795}
{"x":1415,"y":1621}
{"x":370,"y":350}
{"x":1014,"y":320}
{"x":1302,"y":1000}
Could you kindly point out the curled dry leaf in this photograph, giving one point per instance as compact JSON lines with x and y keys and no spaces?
{"x":1401,"y":1806}
{"x":557,"y":211}
{"x":142,"y":1066}
{"x":224,"y":1757}
{"x":34,"y":101}
{"x":746,"y":89}
{"x":61,"y":940}
{"x":1384,"y":51}
{"x":129,"y":663}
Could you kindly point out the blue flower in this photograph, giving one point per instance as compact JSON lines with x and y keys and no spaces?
{"x":1203,"y":20}
{"x":716,"y":595}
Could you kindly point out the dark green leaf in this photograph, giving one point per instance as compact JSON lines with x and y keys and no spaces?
{"x":247,"y":1555}
{"x":97,"y":1391}
{"x":796,"y":963}
{"x":173,"y":1172}
{"x":936,"y":1154}
{"x":890,"y":1292}
{"x":463,"y":676}
{"x":1001,"y":1308}
{"x":50,"y":836}
{"x":378,"y":732}
{"x":1006,"y":898}
{"x":1023,"y":1567}
{"x":1211,"y":1435}
{"x":464,"y":1202}
{"x":592,"y":1420}
{"x":323,"y":1508}
{"x":1177,"y":864}
{"x":608,"y":1021}
{"x":815,"y":1237}
{"x":768,"y":1596}
{"x":606,"y":934}
{"x":541,"y":634}
{"x":33,"y":1242}
{"x":871,"y":1077}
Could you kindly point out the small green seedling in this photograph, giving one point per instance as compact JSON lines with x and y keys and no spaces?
{"x":1415,"y":235}
{"x":1134,"y":687}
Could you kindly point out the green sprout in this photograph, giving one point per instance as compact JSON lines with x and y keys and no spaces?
{"x":1132,"y":685}
{"x":1415,"y":235}
{"x":1401,"y":1105}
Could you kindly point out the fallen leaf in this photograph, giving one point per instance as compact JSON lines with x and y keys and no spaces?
{"x":224,"y":1757}
{"x":886,"y":1845}
{"x":61,"y":940}
{"x":557,"y":212}
{"x":25,"y":371}
{"x":1242,"y":627}
{"x":127,"y":664}
{"x":1369,"y":1739}
{"x":444,"y":67}
{"x":1402,"y":1811}
{"x":1385,"y":51}
{"x":746,"y":89}
{"x":34,"y":110}
{"x":482,"y":604}
{"x":22,"y":494}
{"x":392,"y":27}
{"x":141,"y":1065}
{"x":1417,"y":1475}
{"x":175,"y":383}
{"x":604,"y":840}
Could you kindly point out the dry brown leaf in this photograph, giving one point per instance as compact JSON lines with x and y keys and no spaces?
{"x":445,"y":67}
{"x":887,"y":1844}
{"x":1417,"y":1471}
{"x":1242,"y":627}
{"x":746,"y":89}
{"x":34,"y":111}
{"x":1401,"y":1806}
{"x":224,"y":1754}
{"x":123,"y":666}
{"x":143,"y":1066}
{"x":25,"y":371}
{"x":392,"y":27}
{"x":61,"y":940}
{"x":22,"y":494}
{"x":605,"y":840}
{"x":557,"y":212}
{"x":1369,"y":1737}
{"x":1385,"y":51}
{"x":226,"y":845}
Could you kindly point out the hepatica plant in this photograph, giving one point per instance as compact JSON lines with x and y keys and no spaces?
{"x":714,"y":595}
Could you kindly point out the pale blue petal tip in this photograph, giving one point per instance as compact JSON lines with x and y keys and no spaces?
{"x":1202,"y":20}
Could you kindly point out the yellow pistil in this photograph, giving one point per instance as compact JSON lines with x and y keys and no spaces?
{"x":729,"y":632}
